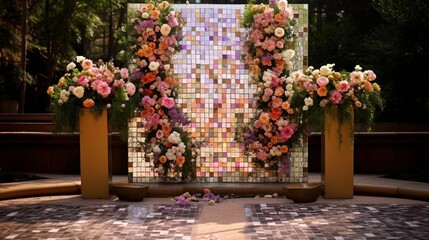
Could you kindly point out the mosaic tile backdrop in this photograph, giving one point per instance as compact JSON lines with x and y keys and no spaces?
{"x":215,"y":93}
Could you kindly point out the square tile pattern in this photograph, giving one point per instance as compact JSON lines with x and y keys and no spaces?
{"x":330,"y":221}
{"x":116,"y":221}
{"x":215,"y":92}
{"x":263,"y":221}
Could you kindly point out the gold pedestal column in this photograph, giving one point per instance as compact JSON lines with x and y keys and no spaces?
{"x":337,"y":156}
{"x":94,"y":155}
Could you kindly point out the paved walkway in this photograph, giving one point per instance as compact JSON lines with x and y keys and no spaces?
{"x":70,"y":217}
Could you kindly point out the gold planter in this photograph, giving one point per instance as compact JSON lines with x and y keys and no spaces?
{"x":303,"y":192}
{"x":337,"y":156}
{"x":94,"y":157}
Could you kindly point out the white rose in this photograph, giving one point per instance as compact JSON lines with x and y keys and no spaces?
{"x":325,"y":70}
{"x":78,"y":91}
{"x":145,"y":15}
{"x":174,"y":138}
{"x":305,"y":108}
{"x":170,"y":155}
{"x":358,"y":68}
{"x":153,"y":66}
{"x":167,"y":67}
{"x":156,"y":149}
{"x":279,"y":32}
{"x":64,"y":95}
{"x":70,"y":66}
{"x":182,"y":147}
{"x":308,"y":101}
{"x":288,"y":55}
{"x":165,"y":29}
{"x":80,"y":58}
{"x":289,"y":87}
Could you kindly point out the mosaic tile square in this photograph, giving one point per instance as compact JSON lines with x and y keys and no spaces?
{"x":335,"y":221}
{"x":112,"y":221}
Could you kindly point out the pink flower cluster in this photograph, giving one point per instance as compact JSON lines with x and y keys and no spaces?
{"x":326,"y":87}
{"x":90,"y":85}
{"x":269,"y":38}
{"x":157,"y":30}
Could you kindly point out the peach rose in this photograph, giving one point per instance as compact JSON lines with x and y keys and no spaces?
{"x":88,"y":103}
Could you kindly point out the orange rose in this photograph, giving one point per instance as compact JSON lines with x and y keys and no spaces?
{"x":322,"y":91}
{"x":275,"y":114}
{"x":285,"y":105}
{"x":152,"y":45}
{"x":149,"y":6}
{"x":280,"y":64}
{"x":269,"y":144}
{"x":166,"y":129}
{"x":206,"y":190}
{"x":88,"y":103}
{"x":50,"y":90}
{"x":162,"y":46}
{"x":255,"y":68}
{"x":278,"y":17}
{"x":274,"y":140}
{"x":148,"y":77}
{"x":367,"y":85}
{"x":151,"y":111}
{"x":171,"y":81}
{"x":265,"y":118}
{"x":154,"y":14}
{"x":180,"y":160}
{"x":163,"y":159}
{"x":284,"y":149}
{"x":141,"y":52}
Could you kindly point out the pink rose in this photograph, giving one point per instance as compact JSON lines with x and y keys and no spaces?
{"x":335,"y":97}
{"x":343,"y":86}
{"x":86,"y":64}
{"x":130,"y":88}
{"x":370,"y":74}
{"x":124,"y":73}
{"x":287,"y":132}
{"x":103,"y":89}
{"x":279,"y":44}
{"x":322,"y":81}
{"x":82,"y":81}
{"x":167,"y":102}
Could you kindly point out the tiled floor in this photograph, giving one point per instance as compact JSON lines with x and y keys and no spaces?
{"x":337,"y":221}
{"x":107,"y":221}
{"x":70,"y":217}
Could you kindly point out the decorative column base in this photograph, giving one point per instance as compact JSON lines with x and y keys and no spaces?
{"x":94,"y":155}
{"x":337,"y":157}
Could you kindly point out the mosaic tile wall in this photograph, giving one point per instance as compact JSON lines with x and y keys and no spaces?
{"x":215,"y":93}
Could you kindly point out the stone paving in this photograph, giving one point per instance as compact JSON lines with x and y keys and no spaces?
{"x":73,"y":218}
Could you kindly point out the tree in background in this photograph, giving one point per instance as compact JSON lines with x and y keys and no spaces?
{"x":388,"y":36}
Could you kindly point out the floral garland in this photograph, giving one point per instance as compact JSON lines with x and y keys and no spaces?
{"x":275,"y":127}
{"x":156,"y":32}
{"x":96,"y":88}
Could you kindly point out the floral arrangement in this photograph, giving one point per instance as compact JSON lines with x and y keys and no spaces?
{"x":325,"y":89}
{"x":95,"y":87}
{"x":155,"y":34}
{"x":275,"y":128}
